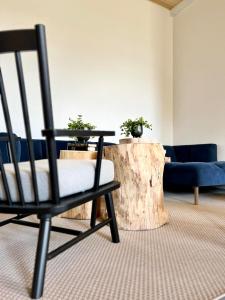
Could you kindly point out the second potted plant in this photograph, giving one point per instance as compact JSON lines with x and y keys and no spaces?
{"x":134,"y":127}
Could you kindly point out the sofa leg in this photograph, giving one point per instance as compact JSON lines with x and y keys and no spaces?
{"x":196,"y":193}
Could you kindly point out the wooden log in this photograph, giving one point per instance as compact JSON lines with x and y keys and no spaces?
{"x":139,"y":203}
{"x":74,"y":154}
{"x":136,"y":140}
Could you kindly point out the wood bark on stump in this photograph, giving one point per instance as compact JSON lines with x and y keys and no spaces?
{"x":139,"y":203}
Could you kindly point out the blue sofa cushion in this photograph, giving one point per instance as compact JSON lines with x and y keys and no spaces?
{"x":196,"y":153}
{"x":37,"y":146}
{"x":61,"y":145}
{"x":170,"y":152}
{"x":203,"y":153}
{"x":183,"y":153}
{"x":194,"y":174}
{"x":40,"y":149}
{"x":4,"y":148}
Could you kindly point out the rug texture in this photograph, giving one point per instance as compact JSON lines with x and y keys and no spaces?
{"x":184,"y":259}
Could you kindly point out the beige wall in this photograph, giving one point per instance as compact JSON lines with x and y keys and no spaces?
{"x":109,"y":60}
{"x":199,"y":74}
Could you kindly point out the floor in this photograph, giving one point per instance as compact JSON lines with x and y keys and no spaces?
{"x":184,"y":259}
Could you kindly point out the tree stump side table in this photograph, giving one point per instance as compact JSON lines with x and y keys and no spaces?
{"x":139,"y":203}
{"x":82,"y":212}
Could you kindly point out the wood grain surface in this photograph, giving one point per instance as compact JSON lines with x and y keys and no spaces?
{"x":139,"y":203}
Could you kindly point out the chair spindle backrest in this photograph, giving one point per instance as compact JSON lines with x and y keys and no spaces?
{"x":28,"y":40}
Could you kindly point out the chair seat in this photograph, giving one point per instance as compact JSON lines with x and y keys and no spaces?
{"x":74,"y":176}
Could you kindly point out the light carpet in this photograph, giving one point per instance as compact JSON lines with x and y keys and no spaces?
{"x":184,"y":259}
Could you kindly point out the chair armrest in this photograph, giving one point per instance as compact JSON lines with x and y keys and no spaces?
{"x":69,"y":132}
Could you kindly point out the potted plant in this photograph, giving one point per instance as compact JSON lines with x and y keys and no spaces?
{"x":79,"y":124}
{"x":134,"y":127}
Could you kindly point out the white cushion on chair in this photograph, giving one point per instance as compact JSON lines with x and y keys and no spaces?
{"x":74,"y":176}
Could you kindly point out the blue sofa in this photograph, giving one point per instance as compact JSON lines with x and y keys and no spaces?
{"x":4,"y":148}
{"x":22,"y":149}
{"x":40,"y":151}
{"x":193,"y":166}
{"x":39,"y":146}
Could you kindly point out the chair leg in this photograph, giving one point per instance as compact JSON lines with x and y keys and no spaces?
{"x":93,"y":213}
{"x":41,"y":258}
{"x":111,"y":214}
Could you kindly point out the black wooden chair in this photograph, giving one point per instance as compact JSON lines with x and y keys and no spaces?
{"x":44,"y":191}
